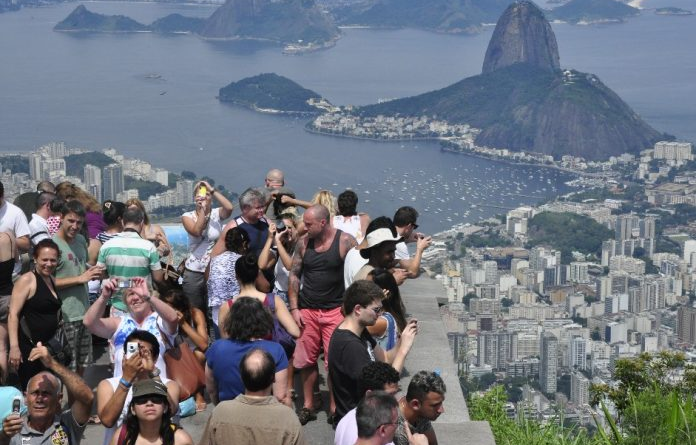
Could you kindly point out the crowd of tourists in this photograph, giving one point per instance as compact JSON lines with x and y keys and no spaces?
{"x":268,"y":291}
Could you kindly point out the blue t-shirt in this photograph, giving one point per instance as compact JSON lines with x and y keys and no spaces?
{"x":224,"y":357}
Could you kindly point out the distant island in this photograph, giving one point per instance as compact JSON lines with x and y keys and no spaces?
{"x":673,"y":11}
{"x":298,"y":24}
{"x":592,"y":11}
{"x":84,"y":20}
{"x":450,"y":16}
{"x":271,"y":93}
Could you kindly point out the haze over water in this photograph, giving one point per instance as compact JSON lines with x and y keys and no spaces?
{"x":93,"y":91}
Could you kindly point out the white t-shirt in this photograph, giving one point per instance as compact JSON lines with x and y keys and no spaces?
{"x":347,"y":430}
{"x":352,"y":264}
{"x":38,"y":226}
{"x":199,"y":247}
{"x":13,"y":219}
{"x":402,"y":251}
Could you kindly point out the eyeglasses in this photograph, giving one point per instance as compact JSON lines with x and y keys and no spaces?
{"x":415,"y":226}
{"x":376,"y":310}
{"x":389,"y":423}
{"x":157,"y":400}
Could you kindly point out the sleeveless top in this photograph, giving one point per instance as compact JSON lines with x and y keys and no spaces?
{"x":351,"y":225}
{"x":41,"y":313}
{"x":390,"y":337}
{"x":322,"y":276}
{"x":152,"y":324}
{"x":258,"y":232}
{"x":6,"y":268}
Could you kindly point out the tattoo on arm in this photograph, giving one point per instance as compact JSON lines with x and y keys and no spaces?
{"x":296,"y":268}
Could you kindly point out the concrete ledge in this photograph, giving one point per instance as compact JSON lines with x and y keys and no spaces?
{"x":431,"y":351}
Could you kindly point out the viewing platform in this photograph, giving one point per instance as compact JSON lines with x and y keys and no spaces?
{"x":430,"y":352}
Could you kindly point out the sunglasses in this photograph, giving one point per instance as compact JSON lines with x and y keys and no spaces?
{"x":157,"y":400}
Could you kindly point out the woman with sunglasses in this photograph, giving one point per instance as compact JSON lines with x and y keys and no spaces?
{"x":149,"y":419}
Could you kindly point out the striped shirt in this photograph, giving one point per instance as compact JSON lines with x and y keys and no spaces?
{"x":127,"y":255}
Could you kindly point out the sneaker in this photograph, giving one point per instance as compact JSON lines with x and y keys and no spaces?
{"x":305,"y":415}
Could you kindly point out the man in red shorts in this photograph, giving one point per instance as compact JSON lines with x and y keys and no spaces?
{"x":318,"y":265}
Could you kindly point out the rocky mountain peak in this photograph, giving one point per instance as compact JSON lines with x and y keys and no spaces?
{"x":522,"y":35}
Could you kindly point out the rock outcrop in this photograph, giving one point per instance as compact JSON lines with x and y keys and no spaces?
{"x":285,"y":21}
{"x":522,"y":35}
{"x":523,"y":101}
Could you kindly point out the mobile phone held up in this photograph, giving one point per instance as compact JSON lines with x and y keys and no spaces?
{"x":131,"y":348}
{"x":202,"y":191}
{"x":16,"y":404}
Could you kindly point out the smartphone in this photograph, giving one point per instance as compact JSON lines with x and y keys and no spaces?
{"x":131,"y":348}
{"x":125,"y":284}
{"x":16,"y":404}
{"x":202,"y":191}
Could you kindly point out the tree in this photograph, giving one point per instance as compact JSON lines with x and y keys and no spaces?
{"x":467,"y":298}
{"x":487,"y":380}
{"x":186,"y":174}
{"x":506,"y":302}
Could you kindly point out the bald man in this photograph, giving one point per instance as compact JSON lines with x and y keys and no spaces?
{"x":255,"y":416}
{"x":45,"y":423}
{"x":318,"y":264}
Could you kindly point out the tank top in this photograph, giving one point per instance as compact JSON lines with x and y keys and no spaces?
{"x":258,"y":232}
{"x":41,"y":312}
{"x":6,"y":268}
{"x":322,"y":276}
{"x":350,"y":225}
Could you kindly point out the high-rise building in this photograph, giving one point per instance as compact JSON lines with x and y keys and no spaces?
{"x":625,"y":224}
{"x":686,"y":324}
{"x":35,"y":166}
{"x":579,"y":389}
{"x":184,"y":191}
{"x":549,"y":363}
{"x":578,"y":353}
{"x":112,"y":181}
{"x":579,"y":272}
{"x":688,"y":249}
{"x":92,"y":177}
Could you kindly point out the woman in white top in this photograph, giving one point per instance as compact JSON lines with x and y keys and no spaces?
{"x":204,"y":226}
{"x":145,"y":312}
{"x":348,"y":219}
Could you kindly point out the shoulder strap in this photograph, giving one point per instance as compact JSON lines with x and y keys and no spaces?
{"x":165,"y":338}
{"x":122,"y":435}
{"x":270,"y":299}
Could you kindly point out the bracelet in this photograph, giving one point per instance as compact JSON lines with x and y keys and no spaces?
{"x":126,"y":384}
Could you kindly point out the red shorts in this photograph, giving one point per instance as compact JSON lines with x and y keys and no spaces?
{"x":319,"y":325}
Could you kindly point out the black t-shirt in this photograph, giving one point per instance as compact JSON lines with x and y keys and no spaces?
{"x":348,"y":355}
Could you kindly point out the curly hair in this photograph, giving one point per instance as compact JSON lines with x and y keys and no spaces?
{"x":375,"y":375}
{"x":248,"y":320}
{"x":132,"y":426}
{"x":327,"y":199}
{"x":347,"y":203}
{"x":237,"y":240}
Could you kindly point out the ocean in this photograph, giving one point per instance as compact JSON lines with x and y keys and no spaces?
{"x":153,"y":97}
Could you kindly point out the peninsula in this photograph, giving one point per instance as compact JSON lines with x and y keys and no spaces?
{"x":271,"y":93}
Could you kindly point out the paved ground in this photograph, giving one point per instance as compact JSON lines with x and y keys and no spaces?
{"x":431,"y":352}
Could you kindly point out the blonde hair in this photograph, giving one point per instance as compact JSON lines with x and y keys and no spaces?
{"x":139,"y":204}
{"x":68,"y":191}
{"x":327,"y":199}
